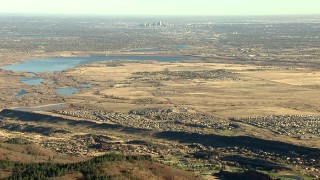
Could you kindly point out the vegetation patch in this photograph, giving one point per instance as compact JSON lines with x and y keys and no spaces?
{"x":92,"y":169}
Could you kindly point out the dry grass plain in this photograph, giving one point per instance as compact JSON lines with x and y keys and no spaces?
{"x":217,"y":89}
{"x":252,"y":91}
{"x":256,"y":91}
{"x":246,"y":90}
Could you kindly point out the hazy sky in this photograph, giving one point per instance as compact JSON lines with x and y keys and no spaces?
{"x":162,"y":7}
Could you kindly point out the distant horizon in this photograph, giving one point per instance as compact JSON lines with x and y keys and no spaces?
{"x":135,"y":15}
{"x":162,"y":8}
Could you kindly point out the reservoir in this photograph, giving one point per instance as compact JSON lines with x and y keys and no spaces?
{"x":31,"y":81}
{"x":182,"y":46}
{"x":21,"y":93}
{"x":66,"y":91}
{"x":61,"y":63}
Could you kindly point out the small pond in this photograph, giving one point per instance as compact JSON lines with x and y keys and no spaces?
{"x":86,"y":85}
{"x":182,"y":46}
{"x":31,"y":81}
{"x":21,"y":93}
{"x":66,"y":91}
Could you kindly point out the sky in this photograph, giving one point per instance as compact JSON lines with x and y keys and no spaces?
{"x":162,"y":7}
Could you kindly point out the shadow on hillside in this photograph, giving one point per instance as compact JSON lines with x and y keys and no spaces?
{"x":35,"y":117}
{"x":219,"y":141}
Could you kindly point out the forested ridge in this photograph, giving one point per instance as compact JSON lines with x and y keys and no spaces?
{"x":91,"y":169}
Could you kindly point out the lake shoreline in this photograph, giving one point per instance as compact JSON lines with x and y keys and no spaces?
{"x":61,"y":63}
{"x":18,"y":58}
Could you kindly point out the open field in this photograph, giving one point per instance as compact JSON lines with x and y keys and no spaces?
{"x":261,"y":92}
{"x":159,"y":102}
{"x":252,"y":91}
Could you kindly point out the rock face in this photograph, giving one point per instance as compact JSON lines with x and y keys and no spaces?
{"x":243,"y":176}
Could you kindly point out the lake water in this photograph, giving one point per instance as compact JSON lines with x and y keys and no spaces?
{"x":62,"y":63}
{"x":66,"y":91}
{"x":21,"y":93}
{"x":31,"y":81}
{"x":182,"y":46}
{"x":86,"y":85}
